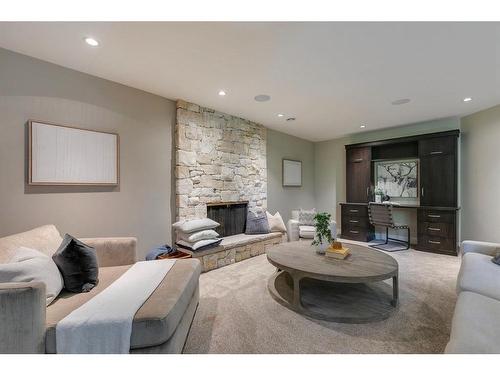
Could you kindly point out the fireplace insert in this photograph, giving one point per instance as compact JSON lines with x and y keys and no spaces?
{"x":232,"y":217}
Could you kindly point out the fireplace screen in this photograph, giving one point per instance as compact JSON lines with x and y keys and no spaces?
{"x":231,"y":216}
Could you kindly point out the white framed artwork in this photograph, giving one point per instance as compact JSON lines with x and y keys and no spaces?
{"x":292,"y":173}
{"x":63,"y":155}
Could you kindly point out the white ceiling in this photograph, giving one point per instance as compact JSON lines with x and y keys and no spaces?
{"x":332,"y":77}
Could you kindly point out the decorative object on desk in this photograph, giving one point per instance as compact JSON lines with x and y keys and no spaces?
{"x":63,"y":155}
{"x":323,"y":236}
{"x":379,"y":193}
{"x":399,"y":179}
{"x":292,"y":173}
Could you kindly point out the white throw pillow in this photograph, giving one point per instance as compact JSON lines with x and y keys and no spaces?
{"x":195,"y":225}
{"x":276,"y":223}
{"x":207,"y":234}
{"x":31,"y":265}
{"x":306,"y":217}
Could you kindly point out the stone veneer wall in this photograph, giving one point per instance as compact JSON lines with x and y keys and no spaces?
{"x":219,"y":158}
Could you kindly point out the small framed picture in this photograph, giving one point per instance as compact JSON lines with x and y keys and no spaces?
{"x":292,"y":173}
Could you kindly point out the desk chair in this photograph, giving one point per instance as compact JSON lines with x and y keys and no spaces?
{"x":381,"y":214}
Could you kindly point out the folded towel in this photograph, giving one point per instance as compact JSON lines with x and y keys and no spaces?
{"x":160,"y":250}
{"x":199,"y":245}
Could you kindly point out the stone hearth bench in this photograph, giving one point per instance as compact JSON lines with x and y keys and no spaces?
{"x":235,"y":248}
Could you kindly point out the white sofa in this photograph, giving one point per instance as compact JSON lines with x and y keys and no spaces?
{"x":476,"y":326}
{"x":297,"y":231}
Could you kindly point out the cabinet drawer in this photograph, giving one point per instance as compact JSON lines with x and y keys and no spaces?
{"x":437,"y":146}
{"x":356,"y":221}
{"x":354,"y":210}
{"x":435,"y":216}
{"x":354,"y":233}
{"x":437,"y":244}
{"x":442,"y":230}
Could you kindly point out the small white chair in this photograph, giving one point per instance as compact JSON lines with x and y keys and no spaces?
{"x":297,"y":231}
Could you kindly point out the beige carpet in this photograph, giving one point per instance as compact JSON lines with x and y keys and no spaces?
{"x":237,"y":315}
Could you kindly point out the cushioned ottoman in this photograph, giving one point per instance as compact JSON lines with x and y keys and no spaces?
{"x":160,"y":325}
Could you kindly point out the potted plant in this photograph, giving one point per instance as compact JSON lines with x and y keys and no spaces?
{"x":378,"y":195}
{"x":323,"y":237}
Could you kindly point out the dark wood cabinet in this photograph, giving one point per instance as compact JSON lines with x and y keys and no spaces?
{"x":438,"y":171}
{"x":358,"y":174}
{"x":438,"y":183}
{"x":355,"y":223}
{"x":437,"y":230}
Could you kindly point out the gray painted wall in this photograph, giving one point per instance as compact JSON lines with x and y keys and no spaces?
{"x":480,"y":180}
{"x":285,"y":199}
{"x":141,"y":206}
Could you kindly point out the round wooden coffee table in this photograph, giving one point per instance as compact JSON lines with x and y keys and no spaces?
{"x":349,"y":290}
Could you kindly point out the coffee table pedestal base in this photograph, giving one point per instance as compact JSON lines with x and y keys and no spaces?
{"x":336,"y":302}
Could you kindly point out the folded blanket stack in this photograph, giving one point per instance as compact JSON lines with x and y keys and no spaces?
{"x":197,"y":234}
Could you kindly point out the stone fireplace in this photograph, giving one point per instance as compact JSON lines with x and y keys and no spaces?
{"x":219,"y":159}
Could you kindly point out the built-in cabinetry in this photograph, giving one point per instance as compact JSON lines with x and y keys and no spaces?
{"x":355,"y":223}
{"x":437,"y":211}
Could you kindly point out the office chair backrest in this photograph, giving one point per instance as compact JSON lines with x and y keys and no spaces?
{"x":380,"y":214}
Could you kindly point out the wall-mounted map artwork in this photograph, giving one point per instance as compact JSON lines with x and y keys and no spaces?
{"x":397,"y":179}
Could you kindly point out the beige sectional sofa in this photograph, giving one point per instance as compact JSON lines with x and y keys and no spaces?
{"x":161,"y":325}
{"x":475,"y":325}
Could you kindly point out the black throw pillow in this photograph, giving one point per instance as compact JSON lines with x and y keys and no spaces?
{"x":496,"y":259}
{"x":78,"y":265}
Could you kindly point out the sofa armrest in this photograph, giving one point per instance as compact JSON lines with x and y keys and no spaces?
{"x":115,"y":251}
{"x":486,"y":248}
{"x":22,"y":317}
{"x":293,"y":230}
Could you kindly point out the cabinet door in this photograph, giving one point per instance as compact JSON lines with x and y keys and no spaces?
{"x":358,"y":174}
{"x":438,"y":171}
{"x":438,"y":184}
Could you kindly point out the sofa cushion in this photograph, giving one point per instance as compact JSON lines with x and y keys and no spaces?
{"x":45,"y":239}
{"x":475,"y":327}
{"x":155,"y":321}
{"x":480,"y":275}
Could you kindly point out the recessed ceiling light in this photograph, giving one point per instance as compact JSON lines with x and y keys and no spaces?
{"x":280,"y":115}
{"x":363,"y":126}
{"x":262,"y":98}
{"x":467,"y":99}
{"x":222,"y":93}
{"x":291,"y":119}
{"x":400,"y":101}
{"x":91,"y":42}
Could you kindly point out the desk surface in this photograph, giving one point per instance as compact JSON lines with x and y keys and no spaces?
{"x":402,"y":205}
